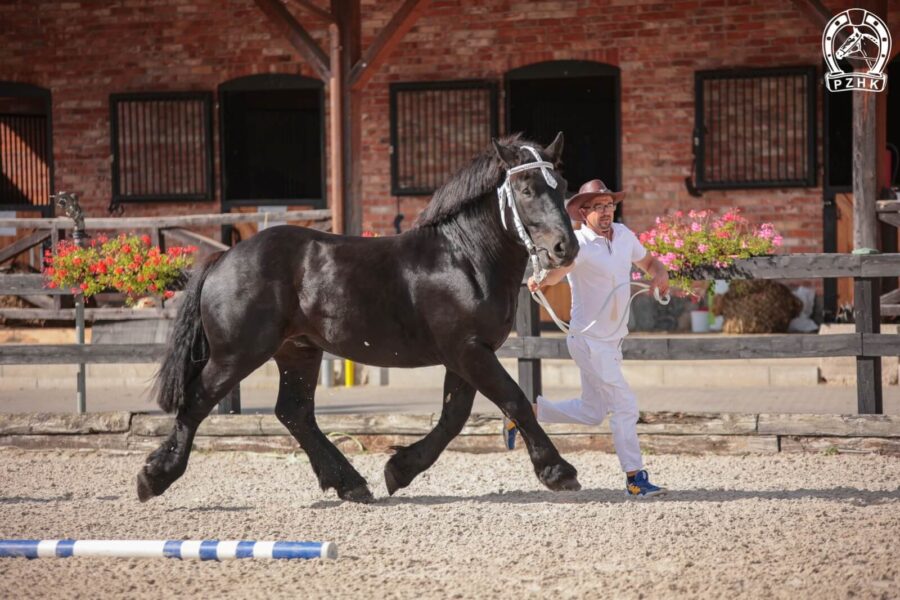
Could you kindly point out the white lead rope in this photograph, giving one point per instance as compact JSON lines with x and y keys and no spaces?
{"x":539,"y":297}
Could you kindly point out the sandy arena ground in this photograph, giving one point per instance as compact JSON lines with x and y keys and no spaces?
{"x":474,"y":526}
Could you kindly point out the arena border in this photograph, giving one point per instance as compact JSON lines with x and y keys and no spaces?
{"x":660,"y":433}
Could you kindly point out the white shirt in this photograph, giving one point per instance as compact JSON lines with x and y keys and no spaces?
{"x":600,"y":266}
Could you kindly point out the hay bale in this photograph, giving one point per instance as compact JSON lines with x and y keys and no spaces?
{"x":756,"y":306}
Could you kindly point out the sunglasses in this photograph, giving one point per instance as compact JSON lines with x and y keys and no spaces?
{"x":601,"y":208}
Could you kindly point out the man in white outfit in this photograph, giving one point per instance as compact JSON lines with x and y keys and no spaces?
{"x":600,"y":278}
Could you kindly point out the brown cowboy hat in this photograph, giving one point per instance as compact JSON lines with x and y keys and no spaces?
{"x":590,"y":190}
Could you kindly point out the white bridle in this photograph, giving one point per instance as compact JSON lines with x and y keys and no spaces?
{"x":507,"y":197}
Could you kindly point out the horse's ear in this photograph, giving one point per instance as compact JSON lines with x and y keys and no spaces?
{"x":509,"y":156}
{"x":554,"y":150}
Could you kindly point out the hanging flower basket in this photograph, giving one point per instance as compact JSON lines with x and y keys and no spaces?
{"x":701,"y":245}
{"x":125,"y":263}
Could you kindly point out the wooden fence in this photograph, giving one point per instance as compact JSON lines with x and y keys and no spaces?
{"x":867,"y":344}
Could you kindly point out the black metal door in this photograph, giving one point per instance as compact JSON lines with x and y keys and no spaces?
{"x":579,"y":98}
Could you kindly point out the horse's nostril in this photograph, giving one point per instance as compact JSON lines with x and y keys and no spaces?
{"x":559,"y":249}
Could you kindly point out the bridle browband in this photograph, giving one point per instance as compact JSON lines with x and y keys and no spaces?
{"x":507,"y":197}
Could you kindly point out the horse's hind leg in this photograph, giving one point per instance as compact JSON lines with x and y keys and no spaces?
{"x":479,"y":365}
{"x":168,"y":462}
{"x":299,"y":367}
{"x":411,"y":460}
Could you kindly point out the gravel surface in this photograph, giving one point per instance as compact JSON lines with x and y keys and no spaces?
{"x":473,"y":526}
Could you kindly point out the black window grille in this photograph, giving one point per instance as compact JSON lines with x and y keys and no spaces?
{"x":162,"y":146}
{"x":26,"y":156}
{"x":755,"y":128}
{"x":437,"y":128}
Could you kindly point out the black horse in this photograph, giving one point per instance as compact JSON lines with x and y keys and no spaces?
{"x":444,"y":292}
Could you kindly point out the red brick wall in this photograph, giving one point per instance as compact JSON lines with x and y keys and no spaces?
{"x":83,"y":51}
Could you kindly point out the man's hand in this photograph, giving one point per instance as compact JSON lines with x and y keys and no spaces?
{"x":533,"y":285}
{"x":660,"y":282}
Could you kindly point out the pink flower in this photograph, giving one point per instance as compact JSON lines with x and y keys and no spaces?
{"x":679,"y":243}
{"x":777,"y":240}
{"x":702,"y":247}
{"x":678,"y":214}
{"x":635,"y":276}
{"x":695,"y":227}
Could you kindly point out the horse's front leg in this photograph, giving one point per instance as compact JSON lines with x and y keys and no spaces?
{"x":411,"y":460}
{"x":480,"y":367}
{"x":295,"y":409}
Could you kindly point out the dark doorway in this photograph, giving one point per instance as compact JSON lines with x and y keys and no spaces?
{"x":26,"y":148}
{"x":272,"y":137}
{"x":579,"y":98}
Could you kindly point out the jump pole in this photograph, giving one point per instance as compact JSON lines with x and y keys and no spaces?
{"x":184,"y":549}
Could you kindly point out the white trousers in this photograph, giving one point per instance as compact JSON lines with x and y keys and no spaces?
{"x":603,"y":390}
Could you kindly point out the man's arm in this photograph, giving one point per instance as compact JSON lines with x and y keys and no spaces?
{"x":553,"y":277}
{"x":651,"y":265}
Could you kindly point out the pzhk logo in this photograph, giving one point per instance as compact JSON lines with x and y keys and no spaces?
{"x":865,"y":43}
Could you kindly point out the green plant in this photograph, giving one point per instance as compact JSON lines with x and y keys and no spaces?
{"x":685,"y":243}
{"x":126,"y":263}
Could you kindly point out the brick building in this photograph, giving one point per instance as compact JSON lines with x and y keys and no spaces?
{"x":620,"y":77}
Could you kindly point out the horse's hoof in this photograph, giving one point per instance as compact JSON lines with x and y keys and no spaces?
{"x":359,"y":494}
{"x":560,"y":478}
{"x":144,"y":490}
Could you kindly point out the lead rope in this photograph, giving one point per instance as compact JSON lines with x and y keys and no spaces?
{"x":539,"y":297}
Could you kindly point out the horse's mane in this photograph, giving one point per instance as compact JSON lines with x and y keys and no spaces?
{"x":482,"y":175}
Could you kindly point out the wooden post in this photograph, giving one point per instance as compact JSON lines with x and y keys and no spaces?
{"x":867,"y":315}
{"x":335,"y":103}
{"x":528,"y":321}
{"x":347,"y":16}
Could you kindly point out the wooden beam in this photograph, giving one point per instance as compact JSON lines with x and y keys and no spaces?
{"x":124,"y":224}
{"x":296,"y":35}
{"x":336,"y":131}
{"x":189,"y":237}
{"x":319,"y":12}
{"x":388,"y":38}
{"x":348,"y":15}
{"x":815,"y":11}
{"x":23,"y":244}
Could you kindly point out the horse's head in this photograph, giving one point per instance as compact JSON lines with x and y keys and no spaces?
{"x":538,"y":195}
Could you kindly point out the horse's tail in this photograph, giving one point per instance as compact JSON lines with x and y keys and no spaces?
{"x":188,"y":347}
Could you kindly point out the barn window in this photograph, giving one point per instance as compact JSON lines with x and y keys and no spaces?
{"x":161,"y":146}
{"x":755,"y":128}
{"x":26,"y":154}
{"x":437,"y":128}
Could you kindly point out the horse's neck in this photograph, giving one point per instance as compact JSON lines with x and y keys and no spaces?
{"x":477,"y":234}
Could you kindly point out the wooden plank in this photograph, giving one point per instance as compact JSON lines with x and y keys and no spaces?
{"x":840,"y":445}
{"x":23,"y":244}
{"x":319,"y":12}
{"x":702,"y":347}
{"x":890,"y":297}
{"x":887,"y":206}
{"x":189,"y":237}
{"x":90,"y":314}
{"x":880,"y":344}
{"x":21,"y":284}
{"x":200,"y":220}
{"x":44,"y":301}
{"x":867,"y":317}
{"x":64,"y":424}
{"x":49,"y":354}
{"x":387,"y":39}
{"x":890,"y":219}
{"x":298,"y":37}
{"x":837,"y":425}
{"x":670,"y":423}
{"x":890,"y":310}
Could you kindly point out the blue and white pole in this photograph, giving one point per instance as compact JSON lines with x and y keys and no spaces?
{"x":199,"y":549}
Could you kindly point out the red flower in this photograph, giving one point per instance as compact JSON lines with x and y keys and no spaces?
{"x":146,"y":239}
{"x":168,"y":294}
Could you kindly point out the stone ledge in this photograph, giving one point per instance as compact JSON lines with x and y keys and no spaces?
{"x":660,"y":432}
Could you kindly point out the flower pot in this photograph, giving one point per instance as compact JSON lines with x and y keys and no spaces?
{"x":700,"y":321}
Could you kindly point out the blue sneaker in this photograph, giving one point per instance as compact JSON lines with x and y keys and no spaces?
{"x":640,"y":486}
{"x":509,"y":432}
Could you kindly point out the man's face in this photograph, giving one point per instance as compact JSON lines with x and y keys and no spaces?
{"x":598,"y":214}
